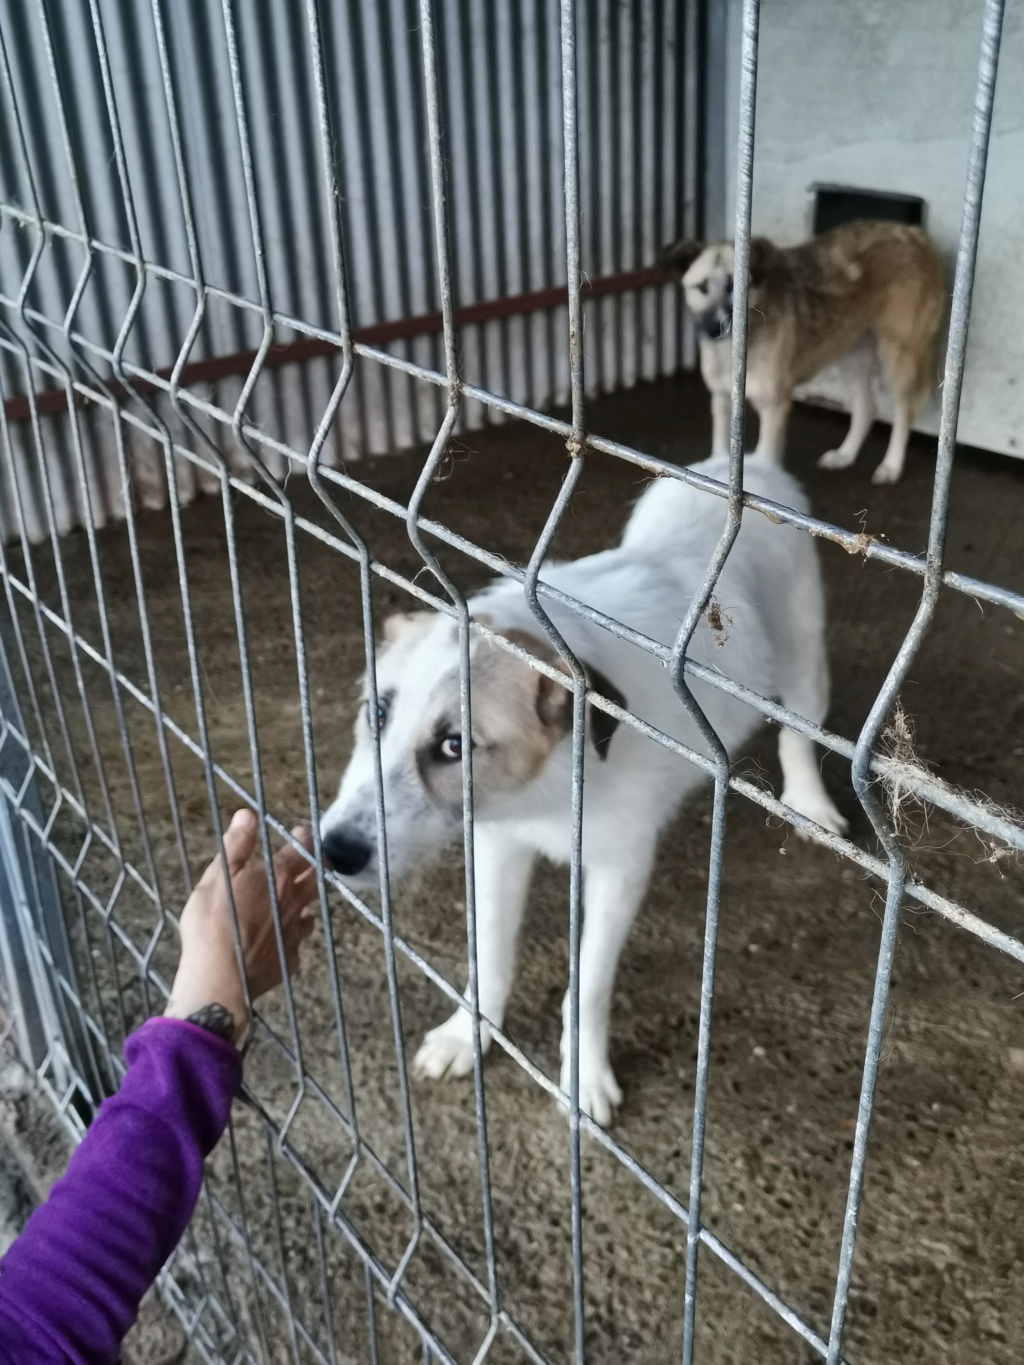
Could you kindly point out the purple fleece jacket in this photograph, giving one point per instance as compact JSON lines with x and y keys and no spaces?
{"x":71,"y":1284}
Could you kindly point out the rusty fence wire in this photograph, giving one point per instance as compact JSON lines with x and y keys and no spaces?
{"x":276,"y":1260}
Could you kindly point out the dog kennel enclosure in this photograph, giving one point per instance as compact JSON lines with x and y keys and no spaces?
{"x":243,"y":249}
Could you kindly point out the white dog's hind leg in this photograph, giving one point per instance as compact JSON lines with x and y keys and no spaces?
{"x":612,"y":896}
{"x":860,"y":369}
{"x":804,"y":686}
{"x":502,"y":882}
{"x":802,"y":786}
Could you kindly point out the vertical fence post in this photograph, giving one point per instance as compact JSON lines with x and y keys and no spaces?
{"x":741,"y":273}
{"x":442,"y":240}
{"x":956,"y":349}
{"x":31,"y":918}
{"x":575,"y":444}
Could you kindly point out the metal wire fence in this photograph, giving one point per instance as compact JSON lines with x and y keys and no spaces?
{"x":277,"y":1258}
{"x":507,"y":223}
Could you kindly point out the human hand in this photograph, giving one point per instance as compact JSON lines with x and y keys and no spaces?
{"x":207,"y":986}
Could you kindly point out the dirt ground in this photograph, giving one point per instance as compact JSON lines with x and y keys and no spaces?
{"x":940,"y":1252}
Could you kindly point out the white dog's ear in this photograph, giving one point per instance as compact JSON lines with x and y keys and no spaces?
{"x":679,"y":256}
{"x":554,"y":707}
{"x":404,"y":623}
{"x":602,"y":725}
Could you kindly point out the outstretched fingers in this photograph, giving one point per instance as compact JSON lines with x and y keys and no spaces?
{"x":239,"y":844}
{"x":294,"y":873}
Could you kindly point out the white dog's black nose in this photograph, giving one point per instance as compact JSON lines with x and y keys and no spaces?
{"x":347,"y":850}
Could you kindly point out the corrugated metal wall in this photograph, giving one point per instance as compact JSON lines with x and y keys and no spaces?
{"x":502,"y":102}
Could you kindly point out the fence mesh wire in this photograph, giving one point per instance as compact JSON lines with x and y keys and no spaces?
{"x":314,"y":1239}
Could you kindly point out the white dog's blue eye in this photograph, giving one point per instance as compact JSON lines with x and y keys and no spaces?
{"x":450,"y":749}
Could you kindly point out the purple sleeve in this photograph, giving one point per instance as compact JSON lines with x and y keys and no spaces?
{"x":70,"y":1286}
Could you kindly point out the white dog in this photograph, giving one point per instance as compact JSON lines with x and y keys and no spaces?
{"x":765,"y":628}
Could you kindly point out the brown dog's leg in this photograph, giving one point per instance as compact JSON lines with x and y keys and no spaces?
{"x":859,"y":371}
{"x":905,"y":374}
{"x":771,"y":438}
{"x":721,"y":410}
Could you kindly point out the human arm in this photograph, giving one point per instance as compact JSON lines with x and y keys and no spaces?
{"x":71,"y":1285}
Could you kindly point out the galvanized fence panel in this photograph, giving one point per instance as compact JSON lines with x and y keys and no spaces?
{"x":170,"y":82}
{"x":215,"y":226}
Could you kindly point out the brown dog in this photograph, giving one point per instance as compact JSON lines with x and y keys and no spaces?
{"x":808,"y":306}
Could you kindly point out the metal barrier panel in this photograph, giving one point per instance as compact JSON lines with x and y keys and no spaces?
{"x":160,"y":215}
{"x":498,"y":73}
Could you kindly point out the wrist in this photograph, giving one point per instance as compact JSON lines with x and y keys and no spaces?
{"x":210,"y":1006}
{"x":218,"y":1021}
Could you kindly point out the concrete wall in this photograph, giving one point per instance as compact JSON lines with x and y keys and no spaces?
{"x":878,"y":94}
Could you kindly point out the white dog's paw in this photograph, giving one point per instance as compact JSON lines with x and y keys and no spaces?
{"x":836,"y":459}
{"x":817,"y":806}
{"x":448,"y":1049}
{"x":600,"y":1094}
{"x":886,"y":473}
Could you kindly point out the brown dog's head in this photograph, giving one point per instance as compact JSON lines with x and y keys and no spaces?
{"x":705,"y":271}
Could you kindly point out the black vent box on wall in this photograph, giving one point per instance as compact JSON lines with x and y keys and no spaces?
{"x":833,"y":205}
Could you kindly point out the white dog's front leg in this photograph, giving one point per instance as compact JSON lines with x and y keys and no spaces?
{"x":502,"y":882}
{"x":612,"y":896}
